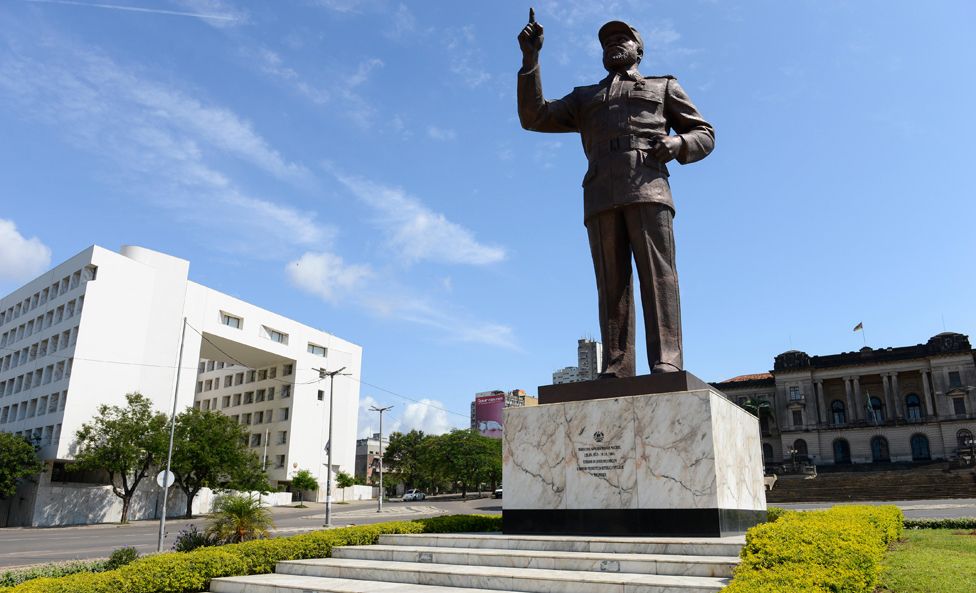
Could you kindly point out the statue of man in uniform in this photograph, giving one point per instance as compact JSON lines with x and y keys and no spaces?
{"x":625,"y":122}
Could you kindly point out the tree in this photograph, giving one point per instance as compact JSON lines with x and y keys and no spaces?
{"x":125,"y":442}
{"x":463,"y":456}
{"x":492,"y":470}
{"x":209,"y":452}
{"x":303,"y":480}
{"x":238,"y":518}
{"x":343,"y":481}
{"x":407,"y":456}
{"x":756,"y":406}
{"x":18,"y":460}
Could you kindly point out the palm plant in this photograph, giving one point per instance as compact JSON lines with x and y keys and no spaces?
{"x":756,"y":406}
{"x":238,"y":518}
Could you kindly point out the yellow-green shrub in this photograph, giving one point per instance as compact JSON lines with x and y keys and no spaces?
{"x":191,"y":572}
{"x":837,"y":551}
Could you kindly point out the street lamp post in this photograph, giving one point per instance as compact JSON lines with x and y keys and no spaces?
{"x":379,"y":507}
{"x":328,"y":483}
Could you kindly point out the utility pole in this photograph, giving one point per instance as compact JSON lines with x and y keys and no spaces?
{"x":379,"y":507}
{"x":328,"y":483}
{"x":172,"y":431}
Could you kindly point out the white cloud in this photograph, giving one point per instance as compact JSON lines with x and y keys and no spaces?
{"x":207,"y":10}
{"x":326,"y":275}
{"x":404,"y":22}
{"x":329,"y":277}
{"x":416,"y":232}
{"x":21,"y":258}
{"x":465,"y":58}
{"x":363,"y":71}
{"x":426,"y":415}
{"x":161,"y":142}
{"x":217,"y":13}
{"x":442,"y":134}
{"x":271,"y":64}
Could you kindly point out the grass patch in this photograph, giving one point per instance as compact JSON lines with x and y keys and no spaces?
{"x":929,"y":560}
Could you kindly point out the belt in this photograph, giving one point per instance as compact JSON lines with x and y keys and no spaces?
{"x":622,"y":144}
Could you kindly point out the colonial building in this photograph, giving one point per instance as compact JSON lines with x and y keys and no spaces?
{"x":910,"y":403}
{"x":368,"y":457}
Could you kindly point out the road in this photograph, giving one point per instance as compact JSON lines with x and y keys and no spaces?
{"x":21,"y":546}
{"x":25,"y":546}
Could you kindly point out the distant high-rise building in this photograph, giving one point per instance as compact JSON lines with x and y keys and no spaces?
{"x":486,"y":409}
{"x":589,"y":357}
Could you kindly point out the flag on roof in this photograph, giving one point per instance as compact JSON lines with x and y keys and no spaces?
{"x":859,"y":327}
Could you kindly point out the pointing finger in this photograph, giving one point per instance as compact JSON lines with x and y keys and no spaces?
{"x":531,"y":15}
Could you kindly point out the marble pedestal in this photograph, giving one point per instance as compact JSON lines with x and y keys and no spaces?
{"x":686,"y":463}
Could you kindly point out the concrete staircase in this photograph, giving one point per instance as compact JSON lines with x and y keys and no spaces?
{"x":880,"y":484}
{"x":469,"y":563}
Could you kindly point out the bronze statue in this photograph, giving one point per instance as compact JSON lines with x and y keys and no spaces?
{"x":624,"y":122}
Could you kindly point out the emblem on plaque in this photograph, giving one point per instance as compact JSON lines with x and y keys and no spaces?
{"x":598,"y":436}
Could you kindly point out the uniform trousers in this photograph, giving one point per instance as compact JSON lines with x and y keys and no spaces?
{"x":644,"y":232}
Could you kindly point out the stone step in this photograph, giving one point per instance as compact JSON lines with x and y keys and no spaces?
{"x":287,"y":583}
{"x":525,"y":580}
{"x":705,"y":566}
{"x":690,"y":546}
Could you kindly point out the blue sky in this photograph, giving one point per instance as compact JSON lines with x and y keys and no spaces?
{"x":358,"y":165}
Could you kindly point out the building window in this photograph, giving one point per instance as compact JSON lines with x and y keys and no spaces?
{"x":231,"y":321}
{"x":800,"y":446}
{"x":256,"y":439}
{"x":287,"y":370}
{"x":282,"y":437}
{"x":964,"y":439}
{"x":316,"y":350}
{"x":285,"y":391}
{"x":876,"y":411}
{"x":959,"y":406}
{"x":797,"y":418}
{"x":954,"y":379}
{"x":837,"y":412}
{"x":283,"y":413}
{"x":279,"y":461}
{"x":321,"y":395}
{"x":262,"y":375}
{"x":879,"y":450}
{"x":767,"y":453}
{"x":913,"y":407}
{"x":271,"y":391}
{"x":275,"y":335}
{"x":795,"y":393}
{"x":920,"y":448}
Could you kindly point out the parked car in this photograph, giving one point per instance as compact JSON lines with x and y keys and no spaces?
{"x":413,"y":495}
{"x":497,"y":493}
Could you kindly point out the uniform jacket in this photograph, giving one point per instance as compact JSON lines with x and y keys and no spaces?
{"x":618,"y":120}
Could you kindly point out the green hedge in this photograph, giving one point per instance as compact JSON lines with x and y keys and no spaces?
{"x":834,"y":551}
{"x":16,"y":576}
{"x":955,"y":523}
{"x":190,"y":572}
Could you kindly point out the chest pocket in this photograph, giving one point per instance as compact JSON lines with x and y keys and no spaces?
{"x":646,"y":106}
{"x":594,"y":102}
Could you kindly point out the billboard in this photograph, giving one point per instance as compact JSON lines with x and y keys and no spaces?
{"x":488,"y":414}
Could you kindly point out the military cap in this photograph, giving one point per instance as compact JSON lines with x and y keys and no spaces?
{"x":620,"y":26}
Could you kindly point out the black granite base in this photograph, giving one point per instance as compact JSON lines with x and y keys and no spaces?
{"x":630,"y":522}
{"x":609,"y":388}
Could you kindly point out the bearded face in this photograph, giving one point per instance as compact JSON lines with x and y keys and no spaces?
{"x":620,"y":52}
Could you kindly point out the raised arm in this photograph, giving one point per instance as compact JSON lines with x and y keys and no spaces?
{"x":535,"y":113}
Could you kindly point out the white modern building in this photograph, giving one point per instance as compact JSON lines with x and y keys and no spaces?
{"x":103,"y":324}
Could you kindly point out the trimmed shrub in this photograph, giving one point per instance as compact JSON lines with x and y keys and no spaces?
{"x":954,"y":523}
{"x":834,"y":551}
{"x":773,"y":513}
{"x":16,"y":576}
{"x":191,"y":572}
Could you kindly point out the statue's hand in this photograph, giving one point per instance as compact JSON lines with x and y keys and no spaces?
{"x":530,"y":39}
{"x":667,"y":148}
